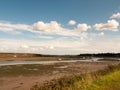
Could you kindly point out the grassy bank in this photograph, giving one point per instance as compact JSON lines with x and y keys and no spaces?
{"x":107,"y":79}
{"x":107,"y":82}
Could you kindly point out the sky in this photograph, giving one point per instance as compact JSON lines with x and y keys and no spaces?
{"x":60,"y":27}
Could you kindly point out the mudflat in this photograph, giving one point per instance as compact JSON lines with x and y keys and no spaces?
{"x":23,"y":77}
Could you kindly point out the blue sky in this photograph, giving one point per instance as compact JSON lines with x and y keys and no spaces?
{"x":59,"y":26}
{"x":62,"y":11}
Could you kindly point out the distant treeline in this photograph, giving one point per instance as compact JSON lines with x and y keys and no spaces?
{"x":88,"y":55}
{"x":101,"y":55}
{"x":68,"y":56}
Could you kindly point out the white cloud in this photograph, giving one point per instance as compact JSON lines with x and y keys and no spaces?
{"x":111,"y":25}
{"x":82,"y":27}
{"x":116,"y":15}
{"x":13,"y":28}
{"x":43,"y":36}
{"x":9,"y":26}
{"x":2,"y":49}
{"x":62,"y":45}
{"x":24,"y":46}
{"x":72,"y":22}
{"x":51,"y":47}
{"x":51,"y":28}
{"x":101,"y":34}
{"x":57,"y":46}
{"x":69,"y":41}
{"x":104,"y":47}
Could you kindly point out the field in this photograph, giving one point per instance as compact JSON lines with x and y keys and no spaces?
{"x":24,"y":77}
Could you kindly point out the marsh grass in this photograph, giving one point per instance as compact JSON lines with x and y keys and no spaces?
{"x":106,"y":79}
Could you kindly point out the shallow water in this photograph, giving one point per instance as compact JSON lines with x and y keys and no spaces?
{"x":4,"y":63}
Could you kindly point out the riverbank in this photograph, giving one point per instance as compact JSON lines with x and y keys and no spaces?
{"x":23,"y":77}
{"x":106,"y":79}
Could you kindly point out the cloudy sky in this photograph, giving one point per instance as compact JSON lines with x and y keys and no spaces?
{"x":60,"y":26}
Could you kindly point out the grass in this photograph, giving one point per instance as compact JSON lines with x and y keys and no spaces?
{"x":107,"y":79}
{"x":107,"y":82}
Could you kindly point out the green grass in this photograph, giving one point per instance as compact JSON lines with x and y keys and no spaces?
{"x":107,"y":82}
{"x":107,"y":79}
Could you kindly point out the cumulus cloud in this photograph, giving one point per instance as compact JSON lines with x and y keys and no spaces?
{"x":82,"y":27}
{"x":116,"y":15}
{"x":111,"y":25}
{"x":41,"y":26}
{"x":72,"y":22}
{"x":51,"y":28}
